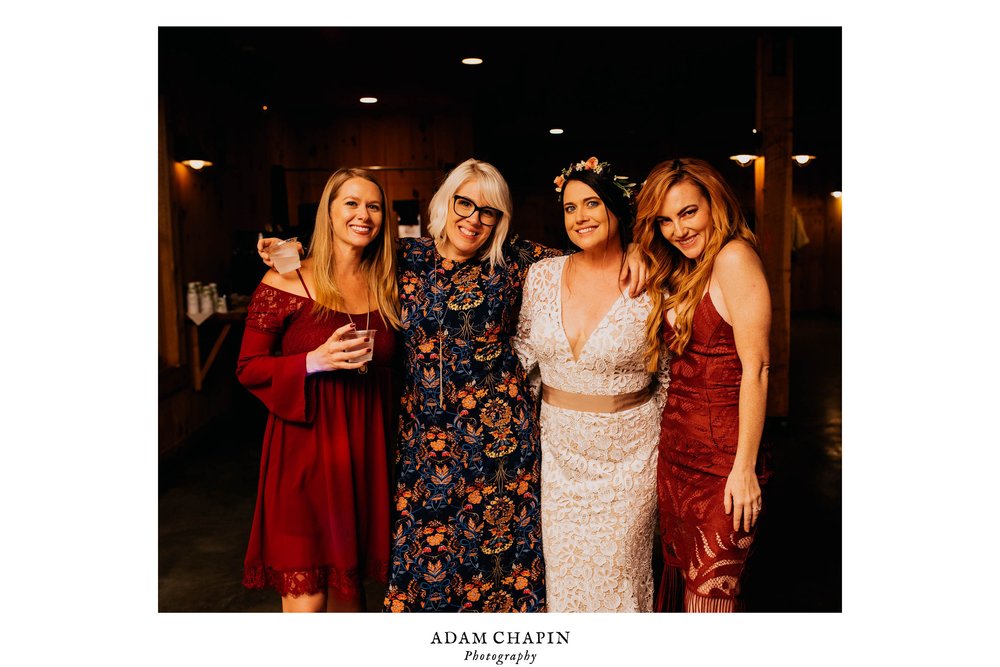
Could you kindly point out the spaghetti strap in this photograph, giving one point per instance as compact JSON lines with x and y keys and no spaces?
{"x":303,"y":283}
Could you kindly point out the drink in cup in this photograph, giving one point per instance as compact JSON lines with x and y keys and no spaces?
{"x":363,"y":333}
{"x":285,"y":255}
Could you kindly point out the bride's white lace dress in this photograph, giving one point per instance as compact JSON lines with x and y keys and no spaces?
{"x":598,"y":469}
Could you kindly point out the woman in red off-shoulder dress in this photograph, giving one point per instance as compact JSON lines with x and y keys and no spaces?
{"x":321,"y":521}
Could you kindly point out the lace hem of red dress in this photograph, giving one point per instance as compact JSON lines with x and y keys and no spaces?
{"x":295,"y":583}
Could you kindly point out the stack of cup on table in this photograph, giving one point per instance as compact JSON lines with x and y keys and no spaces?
{"x":203,"y":300}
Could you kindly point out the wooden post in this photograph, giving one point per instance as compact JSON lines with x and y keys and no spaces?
{"x":170,"y":317}
{"x":773,"y":200}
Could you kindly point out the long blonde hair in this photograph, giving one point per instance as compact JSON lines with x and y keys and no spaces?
{"x":492,"y":188}
{"x":670,"y":272}
{"x":378,"y":260}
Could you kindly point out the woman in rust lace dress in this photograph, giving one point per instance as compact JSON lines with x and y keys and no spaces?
{"x":711,"y":310}
{"x":322,"y":516}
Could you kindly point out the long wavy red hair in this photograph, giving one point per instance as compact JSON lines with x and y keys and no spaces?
{"x":674,"y":280}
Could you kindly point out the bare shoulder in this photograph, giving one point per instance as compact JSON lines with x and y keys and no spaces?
{"x":740,"y":287}
{"x":275,"y":279}
{"x":738,"y":261}
{"x":287,"y":282}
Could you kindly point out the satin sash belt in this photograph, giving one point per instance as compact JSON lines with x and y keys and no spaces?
{"x":595,"y":403}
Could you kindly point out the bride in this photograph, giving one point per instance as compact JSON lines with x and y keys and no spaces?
{"x":600,"y":414}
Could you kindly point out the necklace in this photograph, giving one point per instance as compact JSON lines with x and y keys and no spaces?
{"x":436,"y":290}
{"x":368,"y":314}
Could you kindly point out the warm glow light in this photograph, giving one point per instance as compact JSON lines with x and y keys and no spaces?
{"x":197,"y":165}
{"x":744,"y":160}
{"x":556,"y":130}
{"x":803,"y":160}
{"x":472,"y":61}
{"x":368,"y":100}
{"x":264,"y":107}
{"x":836,"y":194}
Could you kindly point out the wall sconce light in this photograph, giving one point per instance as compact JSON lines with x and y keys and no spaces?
{"x":197,"y":165}
{"x":802,"y":159}
{"x":192,"y":154}
{"x":836,"y":194}
{"x":744,"y":159}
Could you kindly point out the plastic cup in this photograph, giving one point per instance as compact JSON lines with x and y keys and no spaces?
{"x":285,"y":255}
{"x":363,"y":333}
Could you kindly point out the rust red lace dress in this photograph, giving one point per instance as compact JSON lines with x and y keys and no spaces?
{"x":703,"y":556}
{"x":322,"y":515}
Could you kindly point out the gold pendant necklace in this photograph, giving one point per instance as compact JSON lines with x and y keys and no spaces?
{"x":440,"y":335}
{"x":368,"y":314}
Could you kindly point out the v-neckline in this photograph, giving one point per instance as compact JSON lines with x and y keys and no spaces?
{"x":562,"y":325}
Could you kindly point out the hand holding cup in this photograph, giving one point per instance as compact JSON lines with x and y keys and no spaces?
{"x":267,"y":246}
{"x":339,"y":352}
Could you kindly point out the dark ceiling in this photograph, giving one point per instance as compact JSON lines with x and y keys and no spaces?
{"x":631,"y":95}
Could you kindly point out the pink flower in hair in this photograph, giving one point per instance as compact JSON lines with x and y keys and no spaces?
{"x":591,"y":164}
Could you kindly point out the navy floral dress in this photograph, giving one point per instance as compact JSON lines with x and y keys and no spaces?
{"x":467,"y":522}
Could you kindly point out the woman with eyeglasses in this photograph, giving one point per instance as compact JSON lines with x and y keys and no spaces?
{"x":711,"y":309}
{"x":600,"y":411}
{"x":467,"y":533}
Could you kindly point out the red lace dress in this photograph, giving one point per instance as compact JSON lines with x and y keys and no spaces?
{"x":698,"y":437}
{"x":322,"y":515}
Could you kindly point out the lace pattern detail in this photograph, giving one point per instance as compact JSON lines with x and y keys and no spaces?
{"x":296,"y":583}
{"x":700,"y":431}
{"x":270,"y":306}
{"x":598,"y":470}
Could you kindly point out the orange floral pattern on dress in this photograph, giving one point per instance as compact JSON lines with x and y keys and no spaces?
{"x":467,"y":524}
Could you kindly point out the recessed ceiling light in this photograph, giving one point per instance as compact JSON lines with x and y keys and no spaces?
{"x":556,"y":130}
{"x":368,"y":100}
{"x":472,"y":61}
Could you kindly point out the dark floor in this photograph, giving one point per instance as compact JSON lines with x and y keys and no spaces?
{"x":207,"y":493}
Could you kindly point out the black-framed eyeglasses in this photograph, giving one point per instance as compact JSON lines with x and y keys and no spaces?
{"x":465,"y":207}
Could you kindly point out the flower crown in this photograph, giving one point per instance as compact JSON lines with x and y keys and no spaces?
{"x":597,"y":167}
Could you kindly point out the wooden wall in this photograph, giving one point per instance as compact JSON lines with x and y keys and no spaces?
{"x":816,"y":266}
{"x":209,"y":220}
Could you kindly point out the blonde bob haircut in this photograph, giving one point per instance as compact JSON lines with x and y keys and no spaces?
{"x":378,"y":259}
{"x":494,"y":192}
{"x":676,"y":281}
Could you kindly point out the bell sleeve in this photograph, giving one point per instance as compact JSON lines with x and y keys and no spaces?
{"x":280,"y":382}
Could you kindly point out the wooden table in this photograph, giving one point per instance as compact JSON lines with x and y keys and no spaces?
{"x":199,"y":368}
